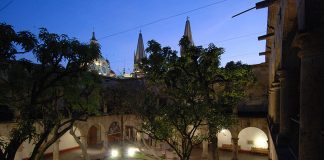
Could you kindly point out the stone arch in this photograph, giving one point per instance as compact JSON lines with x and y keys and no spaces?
{"x":260,"y":123}
{"x":224,"y":139}
{"x":253,"y":139}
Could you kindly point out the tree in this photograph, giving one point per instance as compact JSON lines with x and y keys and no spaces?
{"x":188,"y":93}
{"x":238,"y":78}
{"x":52,"y":94}
{"x":176,"y":104}
{"x":10,"y":39}
{"x":82,"y":146}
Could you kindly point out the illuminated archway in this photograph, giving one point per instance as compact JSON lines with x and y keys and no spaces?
{"x":224,"y":139}
{"x":252,"y":139}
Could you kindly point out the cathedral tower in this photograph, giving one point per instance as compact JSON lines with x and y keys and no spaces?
{"x":93,"y":38}
{"x":188,"y":34}
{"x":139,"y":54}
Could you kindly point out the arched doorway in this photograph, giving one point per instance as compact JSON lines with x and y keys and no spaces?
{"x":114,"y":132}
{"x":93,"y":138}
{"x":253,"y":139}
{"x":224,"y":139}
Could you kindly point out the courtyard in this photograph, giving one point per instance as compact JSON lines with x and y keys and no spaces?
{"x":196,"y":155}
{"x":161,"y":80}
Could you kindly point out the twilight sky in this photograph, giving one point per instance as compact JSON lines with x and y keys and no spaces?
{"x":77,"y":18}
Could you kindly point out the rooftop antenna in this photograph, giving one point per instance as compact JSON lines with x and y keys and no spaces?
{"x":188,"y":18}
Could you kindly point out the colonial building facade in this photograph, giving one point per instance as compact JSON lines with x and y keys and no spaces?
{"x":294,"y":55}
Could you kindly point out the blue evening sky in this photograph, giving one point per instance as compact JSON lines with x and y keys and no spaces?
{"x":77,"y":18}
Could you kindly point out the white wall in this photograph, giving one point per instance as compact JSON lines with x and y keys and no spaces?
{"x":256,"y":137}
{"x":28,"y":148}
{"x":66,"y":141}
{"x":224,"y":137}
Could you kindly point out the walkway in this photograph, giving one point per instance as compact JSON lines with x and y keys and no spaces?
{"x":97,"y":154}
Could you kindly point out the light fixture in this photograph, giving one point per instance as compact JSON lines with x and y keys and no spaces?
{"x":114,"y":153}
{"x":132,"y":151}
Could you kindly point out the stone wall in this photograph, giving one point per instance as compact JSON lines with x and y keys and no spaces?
{"x":296,"y":79}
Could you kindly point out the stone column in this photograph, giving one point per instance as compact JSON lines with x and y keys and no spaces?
{"x":269,"y":150}
{"x":235,"y":148}
{"x":234,"y":132}
{"x":56,"y":150}
{"x":275,"y":102}
{"x":311,"y":141}
{"x":83,"y":140}
{"x":270,"y":104}
{"x":105,"y":142}
{"x":205,"y":149}
{"x":284,"y":109}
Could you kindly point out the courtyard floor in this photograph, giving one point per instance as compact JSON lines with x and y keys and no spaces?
{"x":196,"y":155}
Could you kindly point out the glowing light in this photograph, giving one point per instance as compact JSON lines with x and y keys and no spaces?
{"x":114,"y":153}
{"x":261,"y":142}
{"x":132,"y":151}
{"x":223,"y":131}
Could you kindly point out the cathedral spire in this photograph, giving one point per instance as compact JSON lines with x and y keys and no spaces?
{"x":187,"y":31}
{"x":93,"y":38}
{"x":139,"y":54}
{"x":188,"y":34}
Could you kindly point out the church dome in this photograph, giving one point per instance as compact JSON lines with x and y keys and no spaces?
{"x":101,"y":65}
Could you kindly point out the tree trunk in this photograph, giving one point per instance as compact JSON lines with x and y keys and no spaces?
{"x":45,"y":143}
{"x":11,"y":150}
{"x":39,"y":148}
{"x":213,"y":141}
{"x":39,"y":155}
{"x":19,"y":135}
{"x":186,"y":156}
{"x":83,"y":148}
{"x":214,"y":148}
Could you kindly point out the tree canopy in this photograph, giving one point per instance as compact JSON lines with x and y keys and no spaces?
{"x":189,"y":98}
{"x":53,"y":92}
